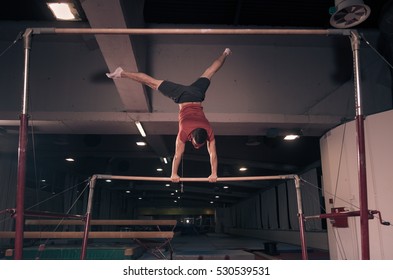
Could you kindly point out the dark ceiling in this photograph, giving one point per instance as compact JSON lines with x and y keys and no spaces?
{"x":118,"y":154}
{"x":277,"y":13}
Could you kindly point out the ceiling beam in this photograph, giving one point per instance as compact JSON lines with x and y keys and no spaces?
{"x":118,"y":50}
{"x":167,"y":123}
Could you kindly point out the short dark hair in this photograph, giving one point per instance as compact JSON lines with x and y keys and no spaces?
{"x":199,"y":135}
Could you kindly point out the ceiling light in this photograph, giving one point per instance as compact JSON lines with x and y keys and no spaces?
{"x":291,"y":137}
{"x":159,"y":169}
{"x":70,"y":159}
{"x":141,"y":143}
{"x":64,"y":11}
{"x":140,"y":128}
{"x":242,"y":168}
{"x":128,"y":191}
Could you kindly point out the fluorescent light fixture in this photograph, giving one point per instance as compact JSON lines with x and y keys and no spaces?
{"x":141,"y":143}
{"x":70,"y":159}
{"x":291,"y":137}
{"x":64,"y":11}
{"x":140,"y":128}
{"x":159,"y":169}
{"x":165,"y":160}
{"x":243,"y":169}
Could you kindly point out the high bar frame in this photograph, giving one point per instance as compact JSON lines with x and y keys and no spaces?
{"x":23,"y":129}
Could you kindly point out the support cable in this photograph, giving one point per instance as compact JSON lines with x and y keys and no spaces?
{"x":376,"y":51}
{"x":42,"y":246}
{"x":18,"y":37}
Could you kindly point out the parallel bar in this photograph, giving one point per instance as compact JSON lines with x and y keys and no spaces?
{"x":104,"y":222}
{"x":45,"y":214}
{"x":190,"y":31}
{"x":92,"y":234}
{"x":188,"y":179}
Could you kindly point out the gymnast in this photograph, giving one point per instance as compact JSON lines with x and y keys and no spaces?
{"x":193,"y":124}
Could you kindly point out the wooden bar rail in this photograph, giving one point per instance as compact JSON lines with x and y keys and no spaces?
{"x":104,"y":222}
{"x":92,"y":234}
{"x":153,"y":232}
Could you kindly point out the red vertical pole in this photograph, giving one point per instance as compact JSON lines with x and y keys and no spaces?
{"x":364,"y":226}
{"x":20,"y":188}
{"x":21,"y":174}
{"x":361,"y":156}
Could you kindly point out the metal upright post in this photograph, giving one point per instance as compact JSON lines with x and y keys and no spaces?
{"x":92,"y":183}
{"x":364,"y":227}
{"x":301,"y":218}
{"x":23,"y":133}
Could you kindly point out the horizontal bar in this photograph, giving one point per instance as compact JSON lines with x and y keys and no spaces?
{"x":92,"y":234}
{"x":190,"y":31}
{"x":45,"y":214}
{"x":104,"y":222}
{"x":188,"y":179}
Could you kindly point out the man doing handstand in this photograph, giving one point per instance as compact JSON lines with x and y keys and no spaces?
{"x":193,"y":124}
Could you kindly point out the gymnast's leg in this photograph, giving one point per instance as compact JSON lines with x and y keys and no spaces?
{"x":216,"y":65}
{"x":136,"y":76}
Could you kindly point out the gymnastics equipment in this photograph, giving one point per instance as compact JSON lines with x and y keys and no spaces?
{"x":154,"y":230}
{"x":23,"y":129}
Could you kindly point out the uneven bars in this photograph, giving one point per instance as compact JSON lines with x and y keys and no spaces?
{"x":294,"y":177}
{"x":188,"y":179}
{"x":189,"y":31}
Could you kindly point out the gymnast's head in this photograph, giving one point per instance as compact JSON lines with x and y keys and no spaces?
{"x":198,"y":137}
